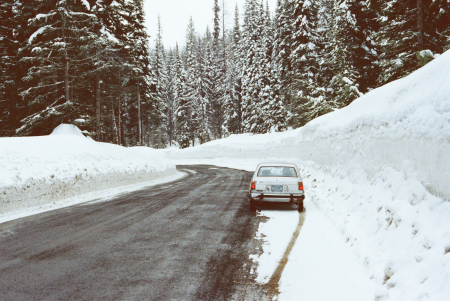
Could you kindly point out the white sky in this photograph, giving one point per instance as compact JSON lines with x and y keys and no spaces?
{"x":175,"y":16}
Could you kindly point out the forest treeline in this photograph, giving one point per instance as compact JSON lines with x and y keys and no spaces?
{"x":89,"y":63}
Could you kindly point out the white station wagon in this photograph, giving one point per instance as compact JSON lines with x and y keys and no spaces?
{"x":276,"y":182}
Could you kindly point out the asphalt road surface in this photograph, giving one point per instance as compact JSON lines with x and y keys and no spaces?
{"x":185,"y":240}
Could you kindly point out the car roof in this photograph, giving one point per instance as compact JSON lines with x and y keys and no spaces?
{"x":277,"y":164}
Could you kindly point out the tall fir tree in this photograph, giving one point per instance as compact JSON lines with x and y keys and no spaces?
{"x":233,"y":99}
{"x":343,"y":34}
{"x":160,"y":69}
{"x":187,"y":116}
{"x":261,"y":111}
{"x":56,"y":51}
{"x":181,"y":103}
{"x":407,"y":28}
{"x":306,"y":48}
{"x":13,"y":32}
{"x":218,"y":77}
{"x":282,"y":48}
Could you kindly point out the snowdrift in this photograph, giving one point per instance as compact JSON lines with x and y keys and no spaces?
{"x":379,"y":169}
{"x":38,"y":170}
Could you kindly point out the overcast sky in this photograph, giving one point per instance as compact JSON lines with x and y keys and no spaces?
{"x":175,"y":16}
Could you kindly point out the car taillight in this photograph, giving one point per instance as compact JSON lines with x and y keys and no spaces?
{"x":253,"y":185}
{"x":300,"y":185}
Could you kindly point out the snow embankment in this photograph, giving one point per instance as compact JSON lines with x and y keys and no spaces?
{"x":379,"y":169}
{"x":35,"y":171}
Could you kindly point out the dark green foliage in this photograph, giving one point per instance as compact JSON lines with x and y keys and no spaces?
{"x":13,"y":34}
{"x":64,"y":61}
{"x":75,"y":61}
{"x":409,"y":26}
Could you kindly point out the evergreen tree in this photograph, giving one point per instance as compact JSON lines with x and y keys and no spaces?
{"x":282,"y":48}
{"x":363,"y":47}
{"x":12,"y":38}
{"x":142,"y":78}
{"x":56,"y":50}
{"x":168,"y":96}
{"x":216,"y":32}
{"x":261,"y":110}
{"x":187,"y":116}
{"x":181,"y":104}
{"x":343,"y":34}
{"x":161,"y":71}
{"x":407,"y":28}
{"x":271,"y":100}
{"x":233,"y":98}
{"x":203,"y":87}
{"x":218,"y":77}
{"x":306,"y":50}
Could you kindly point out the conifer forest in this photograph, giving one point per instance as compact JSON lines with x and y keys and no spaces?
{"x":91,"y":63}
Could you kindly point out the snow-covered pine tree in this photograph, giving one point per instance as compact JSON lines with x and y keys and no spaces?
{"x":187,"y":114}
{"x":218,"y":78}
{"x":344,"y":84}
{"x":251,"y":38}
{"x":407,"y":28}
{"x":56,"y":51}
{"x":141,"y":78}
{"x":233,"y":98}
{"x":262,"y":111}
{"x":216,"y":30}
{"x":100,"y":89}
{"x":160,"y":68}
{"x":275,"y":114}
{"x":363,"y":47}
{"x":168,"y":96}
{"x":181,"y":102}
{"x":308,"y":97}
{"x":283,"y":31}
{"x":203,"y":86}
{"x":12,"y":32}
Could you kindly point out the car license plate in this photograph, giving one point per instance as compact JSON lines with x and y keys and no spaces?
{"x":276,"y":188}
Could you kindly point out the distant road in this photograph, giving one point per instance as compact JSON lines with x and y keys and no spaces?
{"x":185,"y":240}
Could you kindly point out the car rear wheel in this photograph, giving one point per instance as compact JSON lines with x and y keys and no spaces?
{"x":252,"y":205}
{"x":300,"y":206}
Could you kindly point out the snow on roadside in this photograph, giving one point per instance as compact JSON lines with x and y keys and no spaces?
{"x":275,"y":233}
{"x":36,"y":171}
{"x":399,"y":230}
{"x":322,"y":267}
{"x":90,"y":197}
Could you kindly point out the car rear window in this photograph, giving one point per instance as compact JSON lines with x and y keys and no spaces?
{"x":277,"y":171}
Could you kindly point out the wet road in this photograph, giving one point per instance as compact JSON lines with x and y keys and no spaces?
{"x":185,"y":240}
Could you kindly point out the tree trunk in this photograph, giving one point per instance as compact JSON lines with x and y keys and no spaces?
{"x":66,"y":60}
{"x":97,"y":107}
{"x":420,"y":28}
{"x":115,"y":128}
{"x":66,"y":81}
{"x":120,"y":124}
{"x":139,"y":114}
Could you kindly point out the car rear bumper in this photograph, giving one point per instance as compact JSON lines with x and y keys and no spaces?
{"x":284,"y":198}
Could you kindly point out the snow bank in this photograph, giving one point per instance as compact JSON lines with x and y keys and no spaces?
{"x":399,"y":230}
{"x":39,"y":170}
{"x":405,"y":124}
{"x":379,"y":169}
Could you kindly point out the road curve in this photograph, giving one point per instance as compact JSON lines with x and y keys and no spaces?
{"x":185,"y":240}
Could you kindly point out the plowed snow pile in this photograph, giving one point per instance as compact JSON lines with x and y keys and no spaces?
{"x":35,"y":171}
{"x":379,"y":169}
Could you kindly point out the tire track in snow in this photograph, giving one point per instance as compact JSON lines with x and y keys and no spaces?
{"x":272,"y":285}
